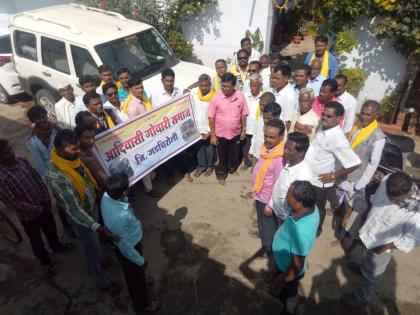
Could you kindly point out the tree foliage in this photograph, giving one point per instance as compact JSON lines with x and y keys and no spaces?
{"x":165,"y":16}
{"x":398,"y":21}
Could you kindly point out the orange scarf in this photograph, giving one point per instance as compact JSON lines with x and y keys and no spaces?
{"x":269,"y":158}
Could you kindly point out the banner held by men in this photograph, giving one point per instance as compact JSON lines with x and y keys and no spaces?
{"x":143,"y":143}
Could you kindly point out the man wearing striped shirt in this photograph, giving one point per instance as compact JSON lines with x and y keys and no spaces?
{"x":74,"y":188}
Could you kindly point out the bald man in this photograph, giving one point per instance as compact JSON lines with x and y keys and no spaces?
{"x":316,"y":79}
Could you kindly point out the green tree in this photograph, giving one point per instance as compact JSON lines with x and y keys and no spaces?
{"x":165,"y":16}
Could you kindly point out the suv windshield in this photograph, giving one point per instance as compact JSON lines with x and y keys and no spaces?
{"x":143,"y":53}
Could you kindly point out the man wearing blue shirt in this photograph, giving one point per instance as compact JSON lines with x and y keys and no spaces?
{"x":293,"y":242}
{"x":119,"y":218}
{"x":329,"y":63}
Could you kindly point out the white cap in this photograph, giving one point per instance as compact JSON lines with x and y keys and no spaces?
{"x":63,"y":84}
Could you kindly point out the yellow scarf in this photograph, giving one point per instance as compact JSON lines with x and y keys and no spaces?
{"x":268,"y":157}
{"x":325,"y":66}
{"x":207,"y":97}
{"x":69,"y":169}
{"x":216,"y":80}
{"x":236,"y":71}
{"x":146,"y":103}
{"x":109,"y":121}
{"x":364,"y":133}
{"x":117,"y":84}
{"x":258,"y":111}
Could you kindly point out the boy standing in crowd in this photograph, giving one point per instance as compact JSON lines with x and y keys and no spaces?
{"x":119,"y":218}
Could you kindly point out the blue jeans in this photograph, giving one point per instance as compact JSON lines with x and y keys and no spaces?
{"x":372,"y":267}
{"x":90,"y":242}
{"x":205,"y":155}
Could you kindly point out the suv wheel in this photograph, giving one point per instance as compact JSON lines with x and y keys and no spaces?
{"x":44,"y":98}
{"x":4,"y":97}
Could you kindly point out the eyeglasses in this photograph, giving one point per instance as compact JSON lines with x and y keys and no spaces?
{"x":112,"y":93}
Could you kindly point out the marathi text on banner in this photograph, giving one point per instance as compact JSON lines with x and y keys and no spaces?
{"x":140,"y":145}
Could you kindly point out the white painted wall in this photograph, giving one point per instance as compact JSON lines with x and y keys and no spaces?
{"x":384,"y":66}
{"x":216,"y":33}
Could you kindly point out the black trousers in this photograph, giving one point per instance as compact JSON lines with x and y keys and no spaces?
{"x":322,"y":195}
{"x":135,"y":278}
{"x":290,"y":289}
{"x":245,"y":146}
{"x":179,"y":161}
{"x":227,"y":156}
{"x":46,"y":223}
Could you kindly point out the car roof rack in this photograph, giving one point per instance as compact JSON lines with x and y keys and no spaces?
{"x":112,"y":13}
{"x":37,"y":17}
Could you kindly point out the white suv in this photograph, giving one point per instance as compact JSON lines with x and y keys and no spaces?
{"x":9,"y":83}
{"x":61,"y":43}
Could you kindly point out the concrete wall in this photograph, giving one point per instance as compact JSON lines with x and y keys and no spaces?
{"x":216,"y":32}
{"x":384,"y":66}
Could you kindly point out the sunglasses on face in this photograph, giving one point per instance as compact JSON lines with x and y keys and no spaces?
{"x":112,"y":93}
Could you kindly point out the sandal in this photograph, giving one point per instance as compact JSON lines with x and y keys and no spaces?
{"x":198,"y":173}
{"x":154,"y":193}
{"x":208,"y":172}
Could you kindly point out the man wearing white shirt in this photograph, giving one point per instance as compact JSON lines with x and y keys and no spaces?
{"x":316,"y":79}
{"x":253,"y":54}
{"x":265,"y":70}
{"x":253,"y":100}
{"x":393,"y":222}
{"x":168,"y":91}
{"x":301,"y":78}
{"x":68,"y":106}
{"x":283,"y":91}
{"x":367,"y":140}
{"x":305,"y":117}
{"x":202,"y":96}
{"x":329,"y":147}
{"x":269,"y":111}
{"x":347,"y":100}
{"x":296,"y":168}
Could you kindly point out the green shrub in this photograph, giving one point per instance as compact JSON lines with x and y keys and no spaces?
{"x":388,"y":104}
{"x":181,"y":47}
{"x":356,"y":79}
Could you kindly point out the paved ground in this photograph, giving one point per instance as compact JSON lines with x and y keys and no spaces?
{"x":197,"y":244}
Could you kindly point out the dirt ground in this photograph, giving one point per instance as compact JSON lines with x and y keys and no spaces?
{"x":197,"y":243}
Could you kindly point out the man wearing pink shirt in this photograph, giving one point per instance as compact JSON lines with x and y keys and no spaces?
{"x":227,"y":119}
{"x":264,"y":177}
{"x":136,"y":103}
{"x":326,"y":94}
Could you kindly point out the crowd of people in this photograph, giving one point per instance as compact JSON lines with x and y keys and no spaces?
{"x":298,"y":132}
